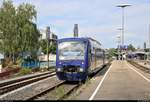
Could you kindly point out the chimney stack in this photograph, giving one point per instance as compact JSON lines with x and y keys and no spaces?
{"x":75,"y":30}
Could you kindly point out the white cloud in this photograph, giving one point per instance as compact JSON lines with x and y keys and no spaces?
{"x":96,"y":18}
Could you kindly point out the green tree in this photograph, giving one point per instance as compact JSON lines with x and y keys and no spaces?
{"x":52,"y":48}
{"x":112,"y":52}
{"x":27,"y":31}
{"x":7,"y":27}
{"x":146,"y":50}
{"x":131,"y":48}
{"x":18,"y":32}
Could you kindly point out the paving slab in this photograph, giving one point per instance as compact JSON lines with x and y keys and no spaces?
{"x":123,"y":83}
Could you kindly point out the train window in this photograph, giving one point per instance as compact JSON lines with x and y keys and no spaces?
{"x":71,"y":50}
{"x":89,"y":56}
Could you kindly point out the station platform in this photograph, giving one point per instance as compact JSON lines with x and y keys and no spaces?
{"x":121,"y":81}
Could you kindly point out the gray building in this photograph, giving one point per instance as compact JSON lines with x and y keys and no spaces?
{"x":52,"y":38}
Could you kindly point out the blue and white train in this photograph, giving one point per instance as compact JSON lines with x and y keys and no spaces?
{"x":76,"y":58}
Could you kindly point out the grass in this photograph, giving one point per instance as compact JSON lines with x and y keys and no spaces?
{"x":73,"y":96}
{"x":57,"y":93}
{"x":60,"y":91}
{"x":80,"y":89}
{"x":25,"y":71}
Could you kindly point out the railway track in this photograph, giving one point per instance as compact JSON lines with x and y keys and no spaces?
{"x":57,"y":92}
{"x":143,"y":68}
{"x":17,"y":83}
{"x":10,"y":81}
{"x":60,"y":91}
{"x":48,"y":89}
{"x":49,"y":93}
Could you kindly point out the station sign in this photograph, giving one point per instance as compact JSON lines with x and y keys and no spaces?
{"x":123,"y":47}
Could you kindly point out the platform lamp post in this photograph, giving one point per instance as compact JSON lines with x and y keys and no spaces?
{"x":118,"y":41}
{"x":123,"y":6}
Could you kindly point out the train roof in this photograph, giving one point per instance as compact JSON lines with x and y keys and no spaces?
{"x":81,"y":38}
{"x":93,"y":42}
{"x":72,"y":38}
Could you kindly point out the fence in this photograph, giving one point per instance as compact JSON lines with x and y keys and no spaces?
{"x":38,"y":64}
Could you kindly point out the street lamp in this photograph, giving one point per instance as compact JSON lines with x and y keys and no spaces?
{"x":123,"y":6}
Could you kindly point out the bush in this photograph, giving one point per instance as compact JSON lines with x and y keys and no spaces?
{"x":25,"y":71}
{"x":19,"y":61}
{"x":7,"y":62}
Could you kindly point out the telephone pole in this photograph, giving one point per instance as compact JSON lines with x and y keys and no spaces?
{"x":48,"y":37}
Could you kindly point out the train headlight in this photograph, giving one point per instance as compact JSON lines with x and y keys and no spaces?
{"x":59,"y":69}
{"x":81,"y":69}
{"x":82,"y":62}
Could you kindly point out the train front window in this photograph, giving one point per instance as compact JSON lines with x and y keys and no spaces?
{"x":71,"y":50}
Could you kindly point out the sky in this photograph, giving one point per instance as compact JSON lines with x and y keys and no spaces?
{"x":99,"y":19}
